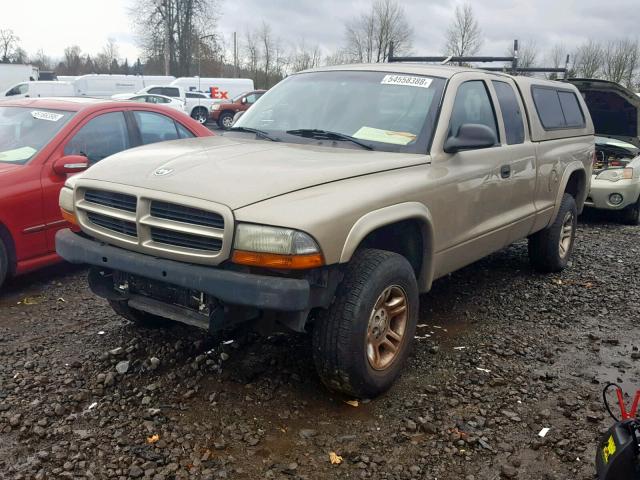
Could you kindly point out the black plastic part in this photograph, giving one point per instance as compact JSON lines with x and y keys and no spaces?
{"x":617,"y":452}
{"x":236,"y":288}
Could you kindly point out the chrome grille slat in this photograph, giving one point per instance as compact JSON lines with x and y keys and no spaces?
{"x":182,"y":227}
{"x":117,"y":225}
{"x":185,"y":240}
{"x":116,"y":200}
{"x":184,"y":214}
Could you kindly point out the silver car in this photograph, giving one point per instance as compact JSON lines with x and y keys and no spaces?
{"x":615,"y":184}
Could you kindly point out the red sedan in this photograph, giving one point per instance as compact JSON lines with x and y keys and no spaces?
{"x":42,"y":142}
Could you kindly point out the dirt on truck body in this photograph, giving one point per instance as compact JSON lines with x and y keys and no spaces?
{"x":342,"y":194}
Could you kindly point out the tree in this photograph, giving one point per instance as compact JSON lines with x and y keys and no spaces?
{"x":464,"y":36}
{"x":589,"y":59}
{"x":557,"y":58}
{"x":621,"y":58}
{"x":72,"y":62}
{"x":369,"y":38}
{"x":8,"y":45}
{"x":266,"y":42}
{"x":252,"y":53}
{"x":304,"y":57}
{"x":42,"y":61}
{"x":173,"y":27}
{"x":107,"y":60}
{"x":527,"y":54}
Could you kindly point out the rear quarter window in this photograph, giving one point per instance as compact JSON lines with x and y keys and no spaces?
{"x":557,"y":109}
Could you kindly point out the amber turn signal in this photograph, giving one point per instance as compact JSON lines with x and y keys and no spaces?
{"x":272,"y":260}
{"x":69,"y":217}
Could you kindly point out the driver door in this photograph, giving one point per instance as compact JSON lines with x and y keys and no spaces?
{"x":469,"y":202}
{"x":96,"y":138}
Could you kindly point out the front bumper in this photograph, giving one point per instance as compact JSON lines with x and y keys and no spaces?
{"x":601,"y":190}
{"x":235,"y":288}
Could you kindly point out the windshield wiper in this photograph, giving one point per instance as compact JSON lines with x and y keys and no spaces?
{"x":259,"y":133}
{"x":325,"y":134}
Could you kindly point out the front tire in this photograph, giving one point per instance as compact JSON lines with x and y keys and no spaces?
{"x":631,"y":214}
{"x":4,"y":262}
{"x":362,"y":341}
{"x":550,"y":249}
{"x":226,"y":120}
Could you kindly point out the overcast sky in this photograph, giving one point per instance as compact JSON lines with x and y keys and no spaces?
{"x":53,"y":25}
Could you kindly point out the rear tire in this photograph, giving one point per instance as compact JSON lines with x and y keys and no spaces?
{"x":550,"y":249}
{"x":631,"y":214}
{"x":138,"y":317}
{"x":226,"y":120}
{"x":4,"y":262}
{"x":362,"y":341}
{"x":201,"y":115}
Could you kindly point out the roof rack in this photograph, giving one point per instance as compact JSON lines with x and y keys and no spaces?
{"x":514,"y":69}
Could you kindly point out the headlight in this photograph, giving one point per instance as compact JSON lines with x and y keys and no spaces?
{"x":616,"y":174}
{"x":275,"y":247}
{"x":66,"y":205}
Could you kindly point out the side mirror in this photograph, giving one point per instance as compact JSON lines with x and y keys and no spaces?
{"x":244,"y":100}
{"x":70,"y":164}
{"x":471,"y":136}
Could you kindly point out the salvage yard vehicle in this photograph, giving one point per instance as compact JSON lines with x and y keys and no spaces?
{"x":43,"y":142}
{"x":223,"y":113}
{"x":161,"y":100}
{"x":332,"y":203}
{"x":615,"y":184}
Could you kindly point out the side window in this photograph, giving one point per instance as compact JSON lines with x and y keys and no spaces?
{"x":170,"y":92}
{"x":571,"y":109}
{"x":251,"y":98}
{"x":18,"y":90}
{"x":156,"y":90}
{"x":155,"y":127}
{"x":102,"y":136}
{"x":472,"y":105}
{"x":183,"y":132}
{"x":511,"y":114}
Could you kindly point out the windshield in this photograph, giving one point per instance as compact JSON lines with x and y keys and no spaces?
{"x":389,"y":112}
{"x":25,"y":131}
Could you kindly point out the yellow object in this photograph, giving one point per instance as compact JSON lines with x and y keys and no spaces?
{"x":153,"y":438}
{"x":384,"y":136}
{"x":353,"y":403}
{"x":334,"y":458}
{"x":609,"y":450}
{"x":69,"y":217}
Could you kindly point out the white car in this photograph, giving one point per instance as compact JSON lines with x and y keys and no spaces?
{"x":615,"y":184}
{"x":155,"y":99}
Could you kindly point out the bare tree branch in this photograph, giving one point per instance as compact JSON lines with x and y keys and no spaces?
{"x":464,"y":37}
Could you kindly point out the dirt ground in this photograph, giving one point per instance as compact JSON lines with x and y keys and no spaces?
{"x":501,"y":353}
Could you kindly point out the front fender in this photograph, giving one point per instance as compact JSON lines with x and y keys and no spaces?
{"x":386,"y":216}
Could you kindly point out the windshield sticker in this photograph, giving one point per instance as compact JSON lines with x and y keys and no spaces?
{"x":384,"y":136}
{"x":407,"y":81}
{"x":49,"y":116}
{"x":17,"y":155}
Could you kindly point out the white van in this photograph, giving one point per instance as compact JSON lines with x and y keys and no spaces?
{"x":157,"y":80}
{"x":218,"y":88}
{"x":39,"y":89}
{"x":104,"y":86}
{"x":12,"y":73}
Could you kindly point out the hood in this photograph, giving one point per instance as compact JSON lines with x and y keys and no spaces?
{"x":8,"y":167}
{"x":238,"y":172}
{"x":615,"y":110}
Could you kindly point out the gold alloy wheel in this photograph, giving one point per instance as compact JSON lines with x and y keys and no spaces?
{"x":565,"y":234}
{"x":387,"y":326}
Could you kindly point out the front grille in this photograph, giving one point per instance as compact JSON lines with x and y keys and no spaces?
{"x":185,"y":240}
{"x":115,"y":224}
{"x":111,"y":199}
{"x":180,"y":213}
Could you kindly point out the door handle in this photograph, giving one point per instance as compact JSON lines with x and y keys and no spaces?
{"x":505,"y":171}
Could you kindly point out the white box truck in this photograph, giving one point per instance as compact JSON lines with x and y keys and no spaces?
{"x":12,"y":73}
{"x":51,"y":88}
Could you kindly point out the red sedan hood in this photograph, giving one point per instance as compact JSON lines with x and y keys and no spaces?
{"x":7,"y":167}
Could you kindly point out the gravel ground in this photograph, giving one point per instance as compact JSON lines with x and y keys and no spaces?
{"x":502,"y":353}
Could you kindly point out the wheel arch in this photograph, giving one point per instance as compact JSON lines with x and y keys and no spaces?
{"x":413,"y":220}
{"x":574,"y":182}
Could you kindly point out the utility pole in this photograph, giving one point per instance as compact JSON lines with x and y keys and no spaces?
{"x":235,"y":55}
{"x":167,"y":39}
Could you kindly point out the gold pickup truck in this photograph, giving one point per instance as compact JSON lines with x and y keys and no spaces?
{"x":339,"y":197}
